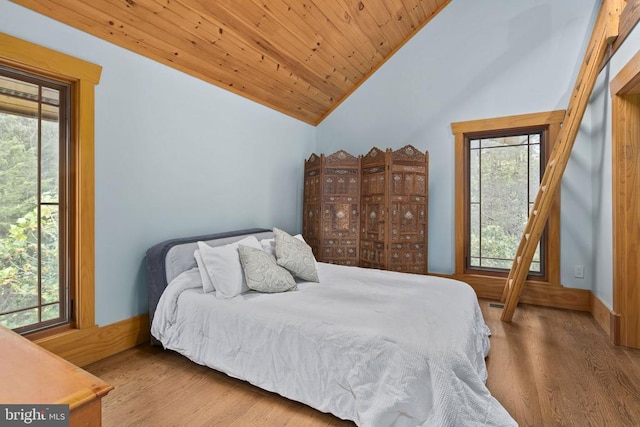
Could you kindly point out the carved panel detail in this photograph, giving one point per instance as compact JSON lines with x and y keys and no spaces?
{"x":370,"y":211}
{"x":333,"y":201}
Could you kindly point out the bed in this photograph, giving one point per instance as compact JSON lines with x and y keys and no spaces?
{"x":376,"y":347}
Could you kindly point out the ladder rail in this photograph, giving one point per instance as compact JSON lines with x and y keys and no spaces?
{"x":604,"y":32}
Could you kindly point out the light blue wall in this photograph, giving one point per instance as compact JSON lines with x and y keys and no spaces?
{"x":476,"y":59}
{"x":600,"y":140}
{"x":174,"y":157}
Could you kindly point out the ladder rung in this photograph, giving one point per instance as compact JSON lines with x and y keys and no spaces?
{"x":543,"y":188}
{"x":535,"y":212}
{"x":526,"y":236}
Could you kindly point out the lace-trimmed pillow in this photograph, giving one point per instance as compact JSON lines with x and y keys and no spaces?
{"x":296,"y":256}
{"x":262,"y":272}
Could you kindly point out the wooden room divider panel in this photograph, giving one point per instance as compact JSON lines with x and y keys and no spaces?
{"x":311,"y":203}
{"x":331,"y":207}
{"x":374,"y":193}
{"x":388,"y":209}
{"x":408,"y":205}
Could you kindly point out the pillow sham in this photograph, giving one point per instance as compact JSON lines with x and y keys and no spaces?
{"x":223,"y":267}
{"x":262,"y":272}
{"x":207,"y":285}
{"x":295,"y":255}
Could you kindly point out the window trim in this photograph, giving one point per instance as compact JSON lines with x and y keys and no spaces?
{"x":82,"y":76}
{"x":462,"y":130}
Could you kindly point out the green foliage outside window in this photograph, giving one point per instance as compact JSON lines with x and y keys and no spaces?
{"x":19,"y":259}
{"x":504,"y":175}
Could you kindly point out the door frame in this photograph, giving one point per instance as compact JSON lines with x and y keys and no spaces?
{"x":625,"y":101}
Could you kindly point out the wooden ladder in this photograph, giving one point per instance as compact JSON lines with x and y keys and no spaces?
{"x":604,"y":32}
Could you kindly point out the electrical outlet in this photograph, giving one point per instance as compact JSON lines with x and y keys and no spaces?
{"x":578,"y":271}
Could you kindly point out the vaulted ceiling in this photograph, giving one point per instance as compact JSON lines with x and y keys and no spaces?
{"x":300,"y":57}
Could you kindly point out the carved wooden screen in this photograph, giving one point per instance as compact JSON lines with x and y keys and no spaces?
{"x":373,"y":208}
{"x":311,"y":209}
{"x":408,"y":207}
{"x":331,"y":207}
{"x":370,"y":211}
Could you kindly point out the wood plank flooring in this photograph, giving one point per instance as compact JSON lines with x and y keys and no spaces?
{"x":548,"y":367}
{"x":552,"y":367}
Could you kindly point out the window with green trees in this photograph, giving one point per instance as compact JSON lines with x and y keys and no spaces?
{"x":504,"y":173}
{"x":34,"y":145}
{"x":498,"y":166}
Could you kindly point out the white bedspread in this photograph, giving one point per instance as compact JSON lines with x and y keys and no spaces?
{"x":376,"y":347}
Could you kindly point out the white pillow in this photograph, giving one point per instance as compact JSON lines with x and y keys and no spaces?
{"x":207,"y":285}
{"x":223,"y":267}
{"x":269,"y":246}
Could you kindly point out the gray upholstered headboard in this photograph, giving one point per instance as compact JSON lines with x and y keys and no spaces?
{"x":168,"y":259}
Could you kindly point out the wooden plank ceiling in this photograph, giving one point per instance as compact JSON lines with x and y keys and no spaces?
{"x":300,"y":57}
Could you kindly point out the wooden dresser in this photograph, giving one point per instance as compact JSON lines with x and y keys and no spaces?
{"x":32,"y":375}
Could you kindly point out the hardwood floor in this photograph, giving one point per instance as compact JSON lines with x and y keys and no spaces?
{"x":549,"y":367}
{"x":557,"y":368}
{"x":162,"y":388}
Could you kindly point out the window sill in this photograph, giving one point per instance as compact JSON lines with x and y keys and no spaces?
{"x":60,"y":336}
{"x":487,"y":279}
{"x":48,"y":332}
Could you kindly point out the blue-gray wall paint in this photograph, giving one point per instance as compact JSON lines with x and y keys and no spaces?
{"x":175,"y":156}
{"x":476,"y":59}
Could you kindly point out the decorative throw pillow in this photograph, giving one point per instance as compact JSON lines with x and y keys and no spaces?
{"x":296,"y":256}
{"x":223,"y":267}
{"x":207,"y":285}
{"x":262,"y":272}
